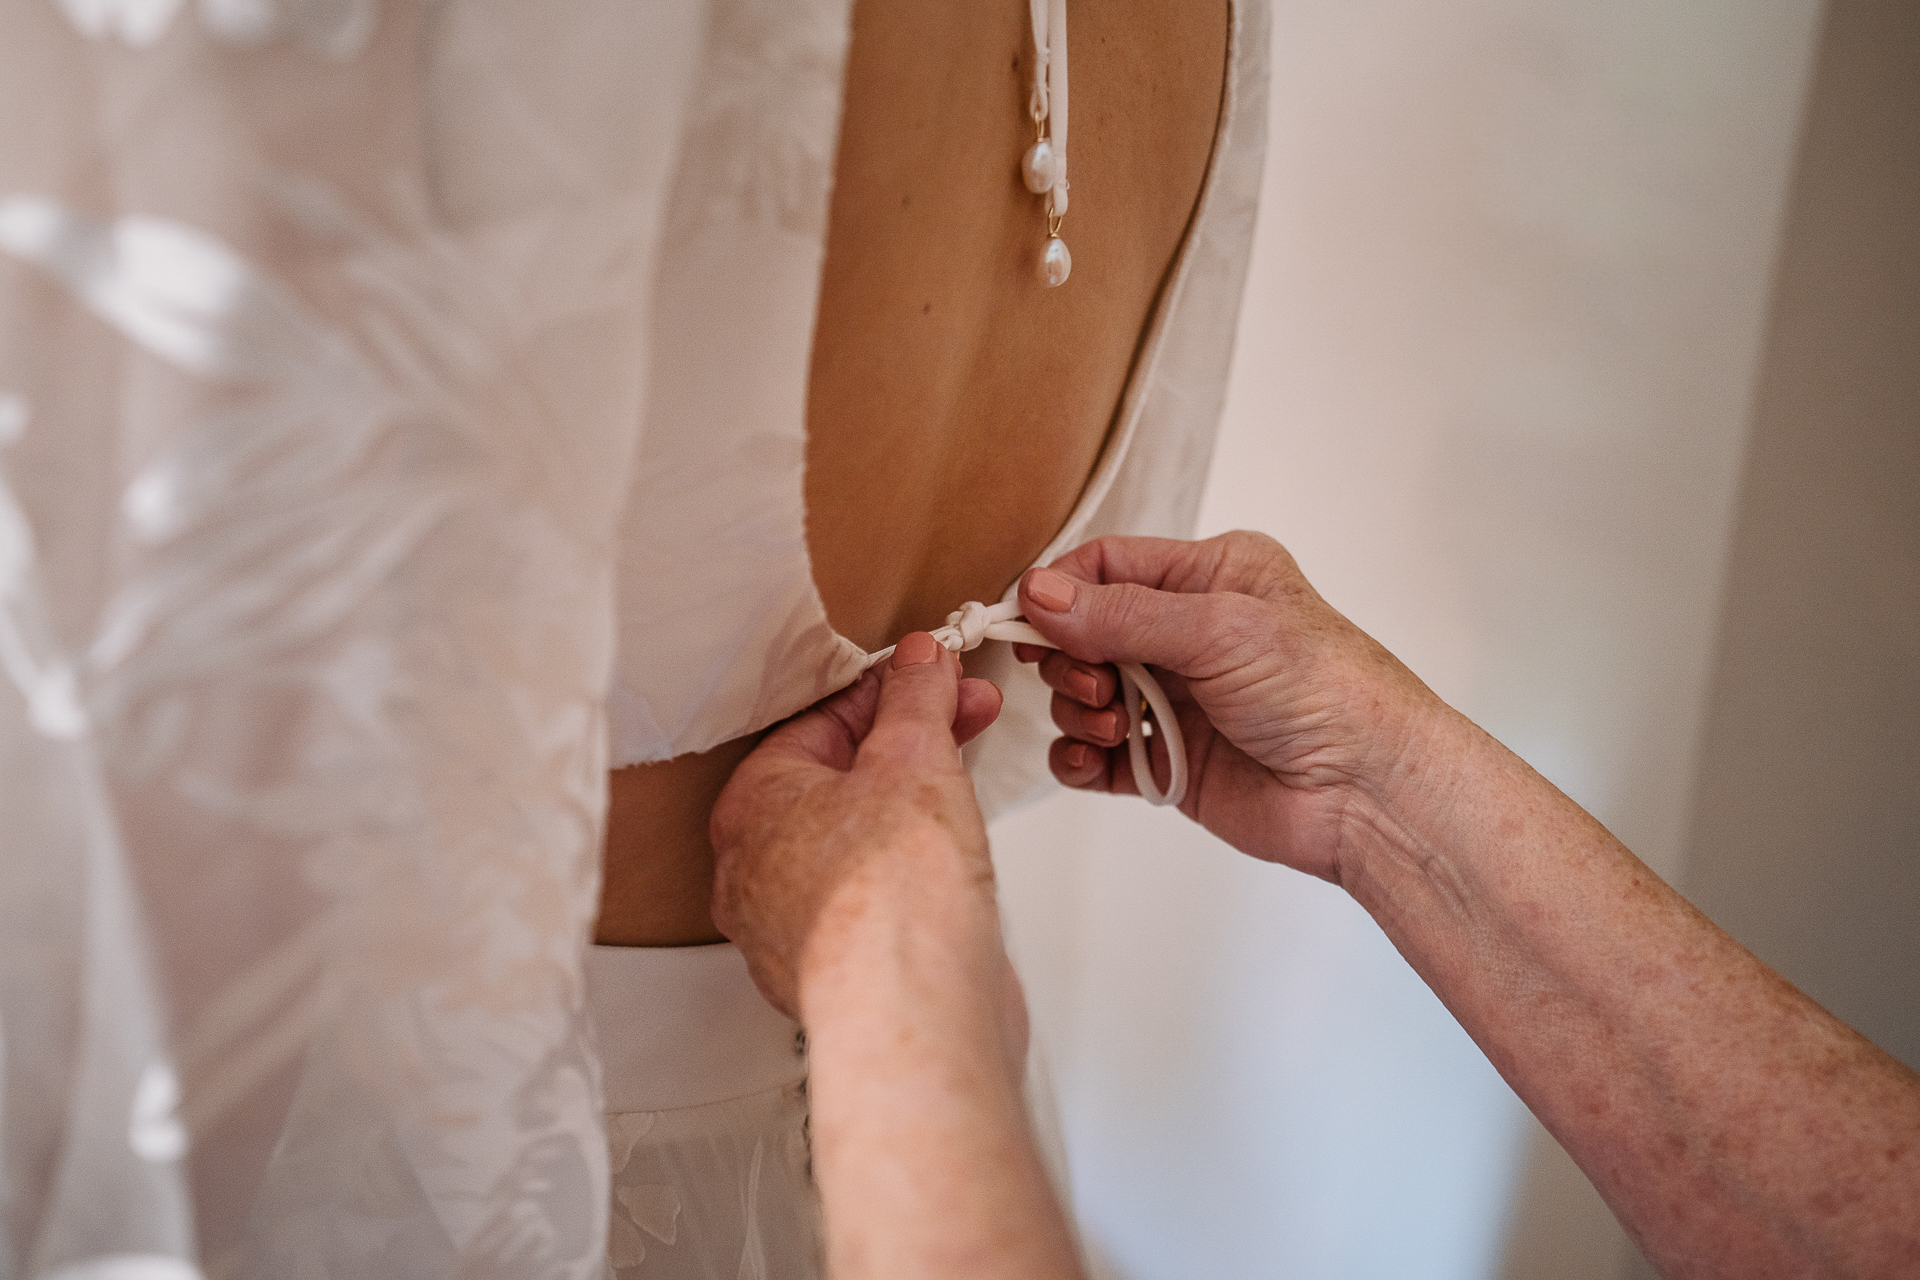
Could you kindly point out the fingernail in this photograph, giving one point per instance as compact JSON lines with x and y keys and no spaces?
{"x":1083,"y":686}
{"x":1079,"y":755}
{"x":1050,"y":590}
{"x":914,"y":650}
{"x":1104,"y":723}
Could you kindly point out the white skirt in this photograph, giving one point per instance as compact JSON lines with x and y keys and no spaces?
{"x":706,"y":1092}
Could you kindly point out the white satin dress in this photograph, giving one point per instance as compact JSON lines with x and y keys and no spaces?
{"x":384,"y":386}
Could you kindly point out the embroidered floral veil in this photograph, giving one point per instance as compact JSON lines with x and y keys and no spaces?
{"x":322,"y":348}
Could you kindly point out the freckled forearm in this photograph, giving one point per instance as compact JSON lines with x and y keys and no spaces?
{"x":921,"y":1142}
{"x":1737,"y":1128}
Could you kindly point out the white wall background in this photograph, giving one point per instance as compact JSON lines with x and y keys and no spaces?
{"x":1492,"y":387}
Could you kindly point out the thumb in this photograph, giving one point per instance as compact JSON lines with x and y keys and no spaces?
{"x":1193,"y":634}
{"x":827,"y":733}
{"x":919,"y":697}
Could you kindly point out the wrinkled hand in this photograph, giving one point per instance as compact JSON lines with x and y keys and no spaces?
{"x":1297,"y":724}
{"x":855,"y":806}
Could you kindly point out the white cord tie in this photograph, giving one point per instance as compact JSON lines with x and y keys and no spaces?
{"x":973,"y":624}
{"x":1044,"y":167}
{"x":1049,"y":19}
{"x":966,"y":627}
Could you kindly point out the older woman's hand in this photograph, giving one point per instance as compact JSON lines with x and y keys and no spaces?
{"x":858,"y":807}
{"x":1298,"y":725}
{"x":1737,"y":1128}
{"x":853,"y":873}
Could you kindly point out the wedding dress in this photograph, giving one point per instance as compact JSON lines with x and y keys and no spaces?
{"x":383,"y":385}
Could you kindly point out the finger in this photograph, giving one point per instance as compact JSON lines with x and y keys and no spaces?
{"x":1078,"y":764}
{"x":1196,"y":635}
{"x":1029,"y":652}
{"x":1240,"y":561}
{"x":1151,"y":562}
{"x":919,"y":702}
{"x":1105,"y":726}
{"x":1093,"y":686}
{"x":979,"y":706}
{"x":1085,"y":767}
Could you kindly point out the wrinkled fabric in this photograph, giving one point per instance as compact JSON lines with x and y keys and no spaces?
{"x":322,"y":352}
{"x":706,"y":1119}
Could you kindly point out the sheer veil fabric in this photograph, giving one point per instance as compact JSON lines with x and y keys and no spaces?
{"x":324,"y":334}
{"x":367,"y":391}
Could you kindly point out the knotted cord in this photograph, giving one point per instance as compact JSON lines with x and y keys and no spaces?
{"x":973,"y":623}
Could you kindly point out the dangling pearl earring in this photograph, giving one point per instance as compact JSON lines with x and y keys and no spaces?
{"x":1044,"y":169}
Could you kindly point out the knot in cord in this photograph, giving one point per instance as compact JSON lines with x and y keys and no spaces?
{"x":966,"y":627}
{"x":974,"y":623}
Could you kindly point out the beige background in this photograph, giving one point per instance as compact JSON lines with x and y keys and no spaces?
{"x":1581,"y":365}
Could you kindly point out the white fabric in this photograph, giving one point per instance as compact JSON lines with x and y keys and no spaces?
{"x":716,"y":1192}
{"x":706,"y":1119}
{"x":685,"y":1026}
{"x":322,"y":329}
{"x":325,"y":330}
{"x":1057,"y":101}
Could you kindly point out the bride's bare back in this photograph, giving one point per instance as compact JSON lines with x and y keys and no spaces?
{"x":956,"y":405}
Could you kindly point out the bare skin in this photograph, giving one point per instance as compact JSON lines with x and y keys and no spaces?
{"x":1738,"y":1130}
{"x":955,"y":406}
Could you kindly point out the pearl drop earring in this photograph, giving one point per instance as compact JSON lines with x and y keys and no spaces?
{"x":1044,"y":168}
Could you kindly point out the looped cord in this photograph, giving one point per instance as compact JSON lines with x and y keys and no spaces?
{"x":1049,"y":96}
{"x":973,"y":623}
{"x":1037,"y":102}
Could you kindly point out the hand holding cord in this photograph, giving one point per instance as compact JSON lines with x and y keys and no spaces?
{"x":974,"y":623}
